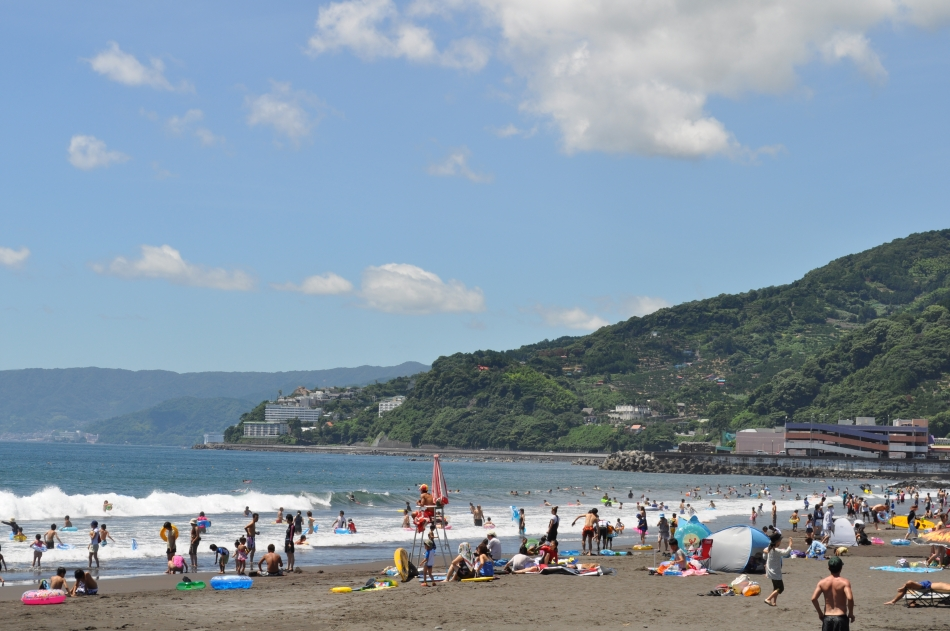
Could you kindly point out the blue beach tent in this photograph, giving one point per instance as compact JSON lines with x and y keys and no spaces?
{"x":733,"y":547}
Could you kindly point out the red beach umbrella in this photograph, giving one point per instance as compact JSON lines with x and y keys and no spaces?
{"x":439,"y":491}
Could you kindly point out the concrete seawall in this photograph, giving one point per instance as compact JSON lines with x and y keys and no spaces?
{"x":788,"y":466}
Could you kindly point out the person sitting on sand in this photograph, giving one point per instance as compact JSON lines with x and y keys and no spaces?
{"x":677,"y":556}
{"x":484,"y":566}
{"x":548,"y":553}
{"x":274,"y":563}
{"x":59,"y":580}
{"x":177,"y":565}
{"x":85,"y":584}
{"x":462,"y":565}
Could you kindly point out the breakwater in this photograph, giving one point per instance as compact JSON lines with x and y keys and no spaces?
{"x":424,"y":451}
{"x":783,"y":466}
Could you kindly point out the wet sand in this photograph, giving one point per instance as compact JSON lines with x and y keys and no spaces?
{"x":632,"y":599}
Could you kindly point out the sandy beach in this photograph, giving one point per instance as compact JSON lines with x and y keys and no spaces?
{"x":630,"y":599}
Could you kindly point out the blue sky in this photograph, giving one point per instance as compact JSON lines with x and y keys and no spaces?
{"x":370,"y":182}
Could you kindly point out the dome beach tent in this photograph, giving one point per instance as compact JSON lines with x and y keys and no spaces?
{"x":734,"y":546}
{"x":843,"y":534}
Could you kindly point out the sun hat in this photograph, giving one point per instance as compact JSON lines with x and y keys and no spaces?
{"x":491,"y":533}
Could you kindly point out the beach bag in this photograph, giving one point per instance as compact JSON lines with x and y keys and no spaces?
{"x":413,"y":571}
{"x":752,"y":589}
{"x":902,"y":563}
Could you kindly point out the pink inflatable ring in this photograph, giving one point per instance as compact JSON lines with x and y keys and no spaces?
{"x":44,"y":597}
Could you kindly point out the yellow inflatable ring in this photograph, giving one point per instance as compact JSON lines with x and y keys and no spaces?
{"x":161,"y":532}
{"x":341,"y":590}
{"x":646,"y":547}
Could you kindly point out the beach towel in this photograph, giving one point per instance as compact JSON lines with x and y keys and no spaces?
{"x":922,"y":570}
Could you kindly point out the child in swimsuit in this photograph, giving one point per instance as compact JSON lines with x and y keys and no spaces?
{"x":240,"y":556}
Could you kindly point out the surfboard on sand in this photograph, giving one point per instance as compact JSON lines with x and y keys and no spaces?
{"x":401,"y":560}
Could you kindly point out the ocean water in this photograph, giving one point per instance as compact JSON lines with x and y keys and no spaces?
{"x":41,"y":483}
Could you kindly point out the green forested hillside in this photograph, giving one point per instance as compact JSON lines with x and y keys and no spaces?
{"x":857,"y":336}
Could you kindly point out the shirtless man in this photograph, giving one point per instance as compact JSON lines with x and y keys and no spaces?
{"x":59,"y":581}
{"x":839,"y":601}
{"x":50,"y":538}
{"x":251,"y":530}
{"x":587,"y":534}
{"x":273,"y":561}
{"x":919,"y":587}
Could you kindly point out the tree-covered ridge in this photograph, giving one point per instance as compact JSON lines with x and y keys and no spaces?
{"x":745,"y":359}
{"x":895,"y":367}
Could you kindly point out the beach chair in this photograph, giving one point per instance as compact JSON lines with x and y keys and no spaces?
{"x":705,"y":550}
{"x":927,"y":598}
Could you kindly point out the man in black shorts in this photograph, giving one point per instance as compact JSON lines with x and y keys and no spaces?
{"x":289,"y":543}
{"x":839,"y":601}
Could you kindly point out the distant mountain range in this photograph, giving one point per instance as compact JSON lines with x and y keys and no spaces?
{"x":35,"y":400}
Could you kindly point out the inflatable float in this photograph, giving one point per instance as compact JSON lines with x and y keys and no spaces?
{"x":642,"y":547}
{"x":68,"y":529}
{"x":900,"y":521}
{"x":233,"y":581}
{"x":161,"y":533}
{"x":480,"y":579}
{"x":342,"y":531}
{"x":43,"y":597}
{"x":900,"y":542}
{"x":401,"y":561}
{"x":64,"y":546}
{"x":186,"y":586}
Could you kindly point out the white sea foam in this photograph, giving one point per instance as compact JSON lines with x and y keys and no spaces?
{"x":53,"y":504}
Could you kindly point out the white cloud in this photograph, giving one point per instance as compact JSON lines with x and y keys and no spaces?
{"x":374,"y":28}
{"x":857,"y":48}
{"x":402,"y":288}
{"x":160,"y":172}
{"x":637,"y":76}
{"x":178,"y":124}
{"x":510,"y":130}
{"x":121,"y":67}
{"x":88,"y":152}
{"x":186,"y":122}
{"x":13,"y":258}
{"x":207,"y":137}
{"x":456,"y":165}
{"x":166,"y":262}
{"x":284,"y":110}
{"x":319,"y":285}
{"x":628,"y":306}
{"x":575,"y":318}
